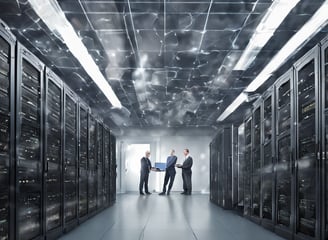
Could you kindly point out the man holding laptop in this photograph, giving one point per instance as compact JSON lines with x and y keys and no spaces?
{"x":169,"y":173}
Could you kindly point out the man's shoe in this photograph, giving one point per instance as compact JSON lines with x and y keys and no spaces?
{"x":188,"y":193}
{"x":142,"y":193}
{"x":184,"y":193}
{"x":162,"y":193}
{"x":148,"y":193}
{"x":168,"y":193}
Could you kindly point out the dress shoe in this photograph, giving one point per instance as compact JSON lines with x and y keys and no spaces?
{"x":148,"y":193}
{"x":168,"y":193}
{"x":162,"y":193}
{"x":188,"y":193}
{"x":184,"y":193}
{"x":142,"y":193}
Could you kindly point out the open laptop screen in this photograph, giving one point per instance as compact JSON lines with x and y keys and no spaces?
{"x":160,"y":165}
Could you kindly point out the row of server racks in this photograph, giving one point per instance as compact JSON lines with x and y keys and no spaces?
{"x":282,"y":176}
{"x":57,"y":159}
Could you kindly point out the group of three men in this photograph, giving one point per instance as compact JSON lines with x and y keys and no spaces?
{"x":169,"y":173}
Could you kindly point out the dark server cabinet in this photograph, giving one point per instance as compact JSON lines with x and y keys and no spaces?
{"x":221,"y":170}
{"x":92,"y":167}
{"x":29,"y":145}
{"x":256,"y":161}
{"x":235,"y":166}
{"x":247,"y":166}
{"x":70,"y":158}
{"x":241,"y":164}
{"x":106,"y":176}
{"x":100,"y":166}
{"x":7,"y":86}
{"x":284,"y":163}
{"x":113,"y":166}
{"x":324,"y":136}
{"x":214,"y":171}
{"x":53,"y":155}
{"x":307,"y":186}
{"x":83,"y":161}
{"x":229,"y":134}
{"x":267,"y":187}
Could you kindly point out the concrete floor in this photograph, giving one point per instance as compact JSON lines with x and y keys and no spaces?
{"x":174,"y":217}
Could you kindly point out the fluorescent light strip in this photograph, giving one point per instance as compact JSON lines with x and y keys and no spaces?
{"x":233,"y":106}
{"x":313,"y":26}
{"x":277,"y":12}
{"x":52,"y":15}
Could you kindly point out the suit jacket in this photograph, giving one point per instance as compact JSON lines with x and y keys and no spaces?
{"x":170,"y":164}
{"x":145,"y":165}
{"x":187,"y":164}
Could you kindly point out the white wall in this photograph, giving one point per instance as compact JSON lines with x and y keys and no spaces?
{"x":162,"y":141}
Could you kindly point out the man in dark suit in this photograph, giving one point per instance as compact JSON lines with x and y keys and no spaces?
{"x":144,"y":173}
{"x":186,"y":172}
{"x":169,"y":172}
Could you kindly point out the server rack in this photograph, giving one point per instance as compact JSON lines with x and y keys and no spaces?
{"x":70,"y":164}
{"x":284,"y":163}
{"x":83,"y":161}
{"x":100,"y":165}
{"x":241,"y":164}
{"x":267,"y":159}
{"x":29,"y":150}
{"x":233,"y":158}
{"x":113,"y":167}
{"x":106,"y":179}
{"x":247,"y":167}
{"x":307,"y":142}
{"x":324,"y":137}
{"x":52,"y":195}
{"x":221,"y":170}
{"x":92,"y":168}
{"x":7,"y":94}
{"x":256,"y":162}
{"x":214,"y":171}
{"x":229,"y":159}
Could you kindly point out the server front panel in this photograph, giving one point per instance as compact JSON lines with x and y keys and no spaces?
{"x":256,"y":163}
{"x":92,"y":167}
{"x":247,"y":167}
{"x":83,"y":162}
{"x":70,"y":159}
{"x":6,"y":116}
{"x":29,"y":152}
{"x":267,"y":163}
{"x":306,"y":147}
{"x":53,"y":155}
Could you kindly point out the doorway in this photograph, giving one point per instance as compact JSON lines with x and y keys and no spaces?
{"x":133,"y":154}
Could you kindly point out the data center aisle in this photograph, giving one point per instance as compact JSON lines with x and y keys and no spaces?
{"x":174,"y":217}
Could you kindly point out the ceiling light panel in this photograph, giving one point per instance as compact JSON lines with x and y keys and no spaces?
{"x":52,"y":15}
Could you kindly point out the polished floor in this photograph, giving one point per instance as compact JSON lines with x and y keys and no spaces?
{"x":174,"y":217}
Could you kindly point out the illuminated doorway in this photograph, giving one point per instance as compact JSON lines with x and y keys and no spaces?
{"x":133,"y":155}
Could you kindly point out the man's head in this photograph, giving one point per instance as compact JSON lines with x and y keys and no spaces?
{"x":147,"y":153}
{"x":186,"y":151}
{"x":172,"y":152}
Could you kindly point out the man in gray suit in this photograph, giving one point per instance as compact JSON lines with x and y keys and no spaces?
{"x":144,"y":173}
{"x":186,"y":172}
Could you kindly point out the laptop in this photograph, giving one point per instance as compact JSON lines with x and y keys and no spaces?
{"x":160,"y":166}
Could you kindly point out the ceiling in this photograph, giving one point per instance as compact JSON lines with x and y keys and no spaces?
{"x":170,"y":62}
